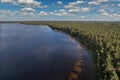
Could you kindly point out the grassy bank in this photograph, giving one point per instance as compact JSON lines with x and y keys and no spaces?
{"x":102,"y":38}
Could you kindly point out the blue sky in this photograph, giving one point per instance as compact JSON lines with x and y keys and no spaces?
{"x":60,"y":10}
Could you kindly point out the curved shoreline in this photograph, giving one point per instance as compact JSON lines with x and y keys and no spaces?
{"x":100,"y":39}
{"x":79,"y":71}
{"x":80,"y":68}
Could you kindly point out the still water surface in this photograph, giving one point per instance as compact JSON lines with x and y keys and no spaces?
{"x":32,"y":52}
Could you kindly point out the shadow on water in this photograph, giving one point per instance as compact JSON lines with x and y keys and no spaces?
{"x":31,"y":52}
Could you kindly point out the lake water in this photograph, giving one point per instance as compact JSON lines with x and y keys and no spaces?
{"x":36,"y":52}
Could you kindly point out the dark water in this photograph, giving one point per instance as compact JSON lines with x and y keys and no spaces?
{"x":31,"y":52}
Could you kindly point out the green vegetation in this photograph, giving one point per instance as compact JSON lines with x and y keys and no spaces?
{"x":102,"y":38}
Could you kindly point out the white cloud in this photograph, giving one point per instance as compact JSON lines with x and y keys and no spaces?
{"x":26,"y":9}
{"x":78,"y":9}
{"x":26,"y":14}
{"x":80,"y":2}
{"x":56,"y":14}
{"x":60,"y":2}
{"x":2,"y":16}
{"x":7,"y":1}
{"x":103,"y":12}
{"x":73,"y":4}
{"x":97,"y":2}
{"x":118,"y":5}
{"x":31,"y":3}
{"x":61,"y":12}
{"x":76,"y":3}
{"x":75,"y":7}
{"x":68,"y":6}
{"x":6,"y":12}
{"x":52,"y":13}
{"x":43,"y":13}
{"x":102,"y":0}
{"x":117,"y":15}
{"x":93,"y":3}
{"x":82,"y":16}
{"x":104,"y":6}
{"x":85,"y":9}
